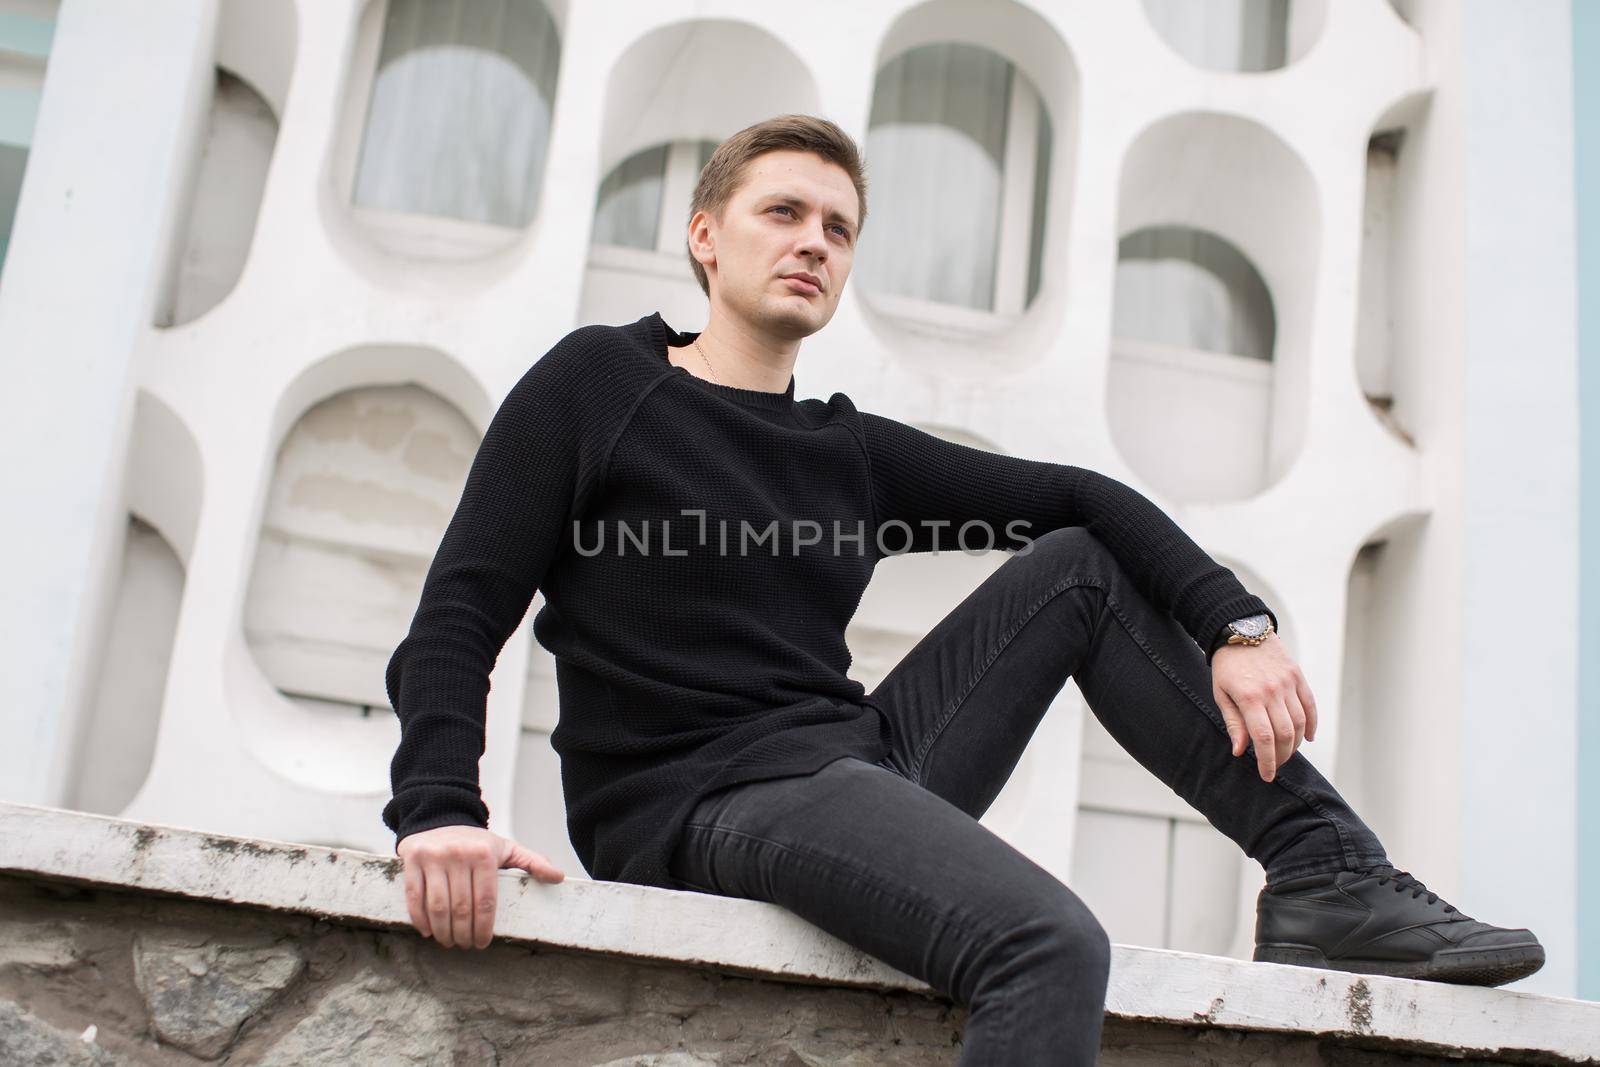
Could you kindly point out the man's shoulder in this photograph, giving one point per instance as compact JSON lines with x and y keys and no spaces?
{"x":598,"y":341}
{"x":599,"y":359}
{"x":837,"y":408}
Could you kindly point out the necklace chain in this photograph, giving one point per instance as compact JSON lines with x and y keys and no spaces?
{"x":706,"y":361}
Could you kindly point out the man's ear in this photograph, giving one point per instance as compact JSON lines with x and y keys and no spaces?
{"x":702,"y":239}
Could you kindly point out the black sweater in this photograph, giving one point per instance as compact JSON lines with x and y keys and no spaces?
{"x":701,"y":549}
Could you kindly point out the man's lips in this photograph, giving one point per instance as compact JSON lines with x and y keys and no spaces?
{"x":805,"y":284}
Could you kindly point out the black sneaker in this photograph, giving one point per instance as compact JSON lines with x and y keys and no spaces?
{"x":1380,"y":920}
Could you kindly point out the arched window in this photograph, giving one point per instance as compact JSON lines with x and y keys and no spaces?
{"x":458,"y":121}
{"x":362,"y":491}
{"x":1237,"y":35}
{"x":1192,"y":289}
{"x":644,"y":202}
{"x":1193,"y":349}
{"x":958,"y":150}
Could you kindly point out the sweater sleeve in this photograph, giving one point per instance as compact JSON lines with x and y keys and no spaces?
{"x":925,"y":481}
{"x":509,"y":525}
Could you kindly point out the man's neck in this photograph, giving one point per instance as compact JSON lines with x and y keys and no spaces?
{"x":739,"y":357}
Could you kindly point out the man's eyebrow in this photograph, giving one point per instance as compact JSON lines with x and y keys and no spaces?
{"x":795,"y":201}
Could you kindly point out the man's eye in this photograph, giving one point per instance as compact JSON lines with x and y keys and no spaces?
{"x":844,"y":231}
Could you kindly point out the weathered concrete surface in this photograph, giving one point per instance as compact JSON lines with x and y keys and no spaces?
{"x":121,"y":942}
{"x":320,"y":992}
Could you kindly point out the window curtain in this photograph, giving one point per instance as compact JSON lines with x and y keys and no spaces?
{"x":1186,"y":287}
{"x":628,"y":211}
{"x":1041,"y":195}
{"x":935,"y":152}
{"x":459,"y":120}
{"x":1242,"y":35}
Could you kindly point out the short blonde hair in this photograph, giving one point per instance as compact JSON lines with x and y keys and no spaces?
{"x":723,"y":173}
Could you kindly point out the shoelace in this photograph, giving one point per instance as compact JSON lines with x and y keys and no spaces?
{"x":1403,"y":880}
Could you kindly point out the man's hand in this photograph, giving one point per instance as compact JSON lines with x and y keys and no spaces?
{"x":451,"y":880}
{"x":1264,"y":698}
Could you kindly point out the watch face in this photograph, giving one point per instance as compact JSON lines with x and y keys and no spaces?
{"x":1254,"y":626}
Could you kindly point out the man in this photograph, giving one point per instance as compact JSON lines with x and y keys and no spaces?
{"x":702,"y":540}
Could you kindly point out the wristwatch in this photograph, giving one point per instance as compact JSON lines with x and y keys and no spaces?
{"x":1250,"y":630}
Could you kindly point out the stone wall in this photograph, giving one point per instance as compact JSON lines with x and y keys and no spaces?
{"x":172,"y":981}
{"x":128,"y":943}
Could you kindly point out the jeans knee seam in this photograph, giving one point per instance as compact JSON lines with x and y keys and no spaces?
{"x":972,"y":683}
{"x":1345,"y":844}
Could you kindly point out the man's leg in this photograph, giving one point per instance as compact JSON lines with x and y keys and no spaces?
{"x":896,"y":871}
{"x":965,"y":701}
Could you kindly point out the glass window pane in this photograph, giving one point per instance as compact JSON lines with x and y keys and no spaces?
{"x":1186,"y":287}
{"x":1238,"y":35}
{"x":1041,"y":190}
{"x":629,"y":209}
{"x":459,"y":120}
{"x":936,"y":147}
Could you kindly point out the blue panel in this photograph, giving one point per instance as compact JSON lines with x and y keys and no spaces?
{"x":18,"y":110}
{"x":1586,"y":113}
{"x":26,"y":35}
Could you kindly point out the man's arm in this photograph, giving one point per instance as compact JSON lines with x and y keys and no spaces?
{"x":506,"y":529}
{"x":920,"y":478}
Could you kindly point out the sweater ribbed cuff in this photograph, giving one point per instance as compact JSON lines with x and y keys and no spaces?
{"x":430,"y":805}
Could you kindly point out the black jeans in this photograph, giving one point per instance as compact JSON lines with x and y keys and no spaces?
{"x":891,"y":857}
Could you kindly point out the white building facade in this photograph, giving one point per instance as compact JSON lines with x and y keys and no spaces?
{"x":1302,"y":272}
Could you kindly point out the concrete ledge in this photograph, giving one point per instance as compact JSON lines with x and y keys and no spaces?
{"x":756,"y":939}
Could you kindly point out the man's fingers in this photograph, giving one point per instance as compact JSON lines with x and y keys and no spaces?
{"x":438,"y":898}
{"x":530,"y":861}
{"x":1309,"y":702}
{"x":1283,"y":729}
{"x":1238,"y":735}
{"x":460,"y":873}
{"x":416,"y":898}
{"x":542,"y":869}
{"x":1265,"y":737}
{"x":452,"y":882}
{"x":485,"y":881}
{"x":1297,"y":715}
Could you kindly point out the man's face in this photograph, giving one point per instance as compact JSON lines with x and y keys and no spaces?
{"x":794,"y":213}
